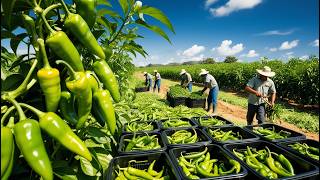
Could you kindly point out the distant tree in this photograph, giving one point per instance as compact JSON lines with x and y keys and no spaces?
{"x":230,"y":59}
{"x":208,"y":61}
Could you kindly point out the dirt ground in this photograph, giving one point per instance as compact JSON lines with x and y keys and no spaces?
{"x":235,"y":113}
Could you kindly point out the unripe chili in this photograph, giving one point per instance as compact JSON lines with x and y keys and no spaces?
{"x":7,"y":149}
{"x":52,"y":124}
{"x":80,"y":29}
{"x":87,"y":10}
{"x":49,"y":80}
{"x":106,"y":76}
{"x":67,"y":109}
{"x":79,"y":85}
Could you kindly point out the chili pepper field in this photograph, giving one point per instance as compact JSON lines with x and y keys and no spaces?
{"x":70,"y":110}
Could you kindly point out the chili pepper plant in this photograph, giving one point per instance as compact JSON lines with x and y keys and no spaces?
{"x":57,"y":97}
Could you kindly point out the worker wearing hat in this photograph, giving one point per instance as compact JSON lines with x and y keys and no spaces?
{"x":157,"y":81}
{"x":186,"y":80}
{"x":211,"y":83}
{"x":260,"y":88}
{"x":148,"y":80}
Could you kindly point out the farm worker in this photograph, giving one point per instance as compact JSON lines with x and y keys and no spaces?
{"x":148,"y":80}
{"x":186,"y":80}
{"x":211,"y":83}
{"x":157,"y":81}
{"x":260,"y":87}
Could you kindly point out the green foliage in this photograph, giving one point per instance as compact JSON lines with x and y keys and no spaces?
{"x":230,"y":59}
{"x":296,"y":80}
{"x":178,"y":92}
{"x":197,"y":95}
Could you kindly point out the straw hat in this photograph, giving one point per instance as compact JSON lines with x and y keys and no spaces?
{"x":145,"y":73}
{"x":203,"y":72}
{"x":183,"y":71}
{"x":266,"y":71}
{"x":155,"y":70}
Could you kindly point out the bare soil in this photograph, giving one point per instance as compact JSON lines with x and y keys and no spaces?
{"x":235,"y":113}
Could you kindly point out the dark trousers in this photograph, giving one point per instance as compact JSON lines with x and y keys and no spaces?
{"x":258,"y":110}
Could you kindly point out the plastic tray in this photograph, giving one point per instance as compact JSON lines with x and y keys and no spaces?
{"x":203,"y":138}
{"x":216,"y":152}
{"x":193,"y":124}
{"x":162,"y":159}
{"x":310,"y":142}
{"x":123,"y":144}
{"x":156,"y":128}
{"x":303,"y":169}
{"x":294,"y":135}
{"x":227,"y":122}
{"x":176,"y":101}
{"x":246,"y":135}
{"x":195,"y":103}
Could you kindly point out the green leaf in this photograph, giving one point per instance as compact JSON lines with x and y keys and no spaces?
{"x":14,"y":42}
{"x":124,"y":6}
{"x":7,"y":35}
{"x":7,"y":7}
{"x":103,"y":12}
{"x":104,"y":160}
{"x":20,"y":60}
{"x":97,"y":33}
{"x":11,"y":82}
{"x":157,"y":14}
{"x":155,"y":29}
{"x":89,"y":168}
{"x":103,"y":2}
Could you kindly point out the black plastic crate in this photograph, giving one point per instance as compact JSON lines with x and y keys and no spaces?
{"x":156,"y":127}
{"x":216,"y":152}
{"x":176,"y":101}
{"x":192,"y":123}
{"x":309,"y":142}
{"x":227,"y":122}
{"x":195,"y":103}
{"x":294,"y":135}
{"x":123,"y":144}
{"x":303,"y":169}
{"x":141,"y":89}
{"x":246,"y":135}
{"x":162,"y":159}
{"x":203,"y":138}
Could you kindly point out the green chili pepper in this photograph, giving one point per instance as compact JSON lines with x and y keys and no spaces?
{"x":105,"y":74}
{"x":280,"y":171}
{"x":92,"y":81}
{"x":80,"y":29}
{"x":62,"y":46}
{"x":29,"y":25}
{"x":139,"y":173}
{"x":79,"y":85}
{"x":235,"y":164}
{"x":67,"y":109}
{"x":150,"y":169}
{"x":6,"y":174}
{"x":204,"y":172}
{"x":107,"y":51}
{"x":286,"y":163}
{"x":49,"y":81}
{"x":184,"y":168}
{"x":103,"y":109}
{"x":52,"y":124}
{"x":7,"y":150}
{"x":196,"y":155}
{"x":87,"y":10}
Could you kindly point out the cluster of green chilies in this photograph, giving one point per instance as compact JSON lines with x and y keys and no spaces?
{"x":183,"y":137}
{"x":220,"y":135}
{"x":263,"y":162}
{"x":139,"y":126}
{"x":210,"y":122}
{"x":175,"y":123}
{"x":130,"y":173}
{"x":197,"y":95}
{"x":178,"y":91}
{"x":271,"y":134}
{"x":305,"y":149}
{"x":196,"y":165}
{"x":83,"y":88}
{"x":142,"y":143}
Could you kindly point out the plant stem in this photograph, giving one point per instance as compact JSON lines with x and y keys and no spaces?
{"x":43,"y":52}
{"x":22,"y":116}
{"x":4,"y":117}
{"x":33,"y":109}
{"x":70,"y":69}
{"x":44,"y":13}
{"x":65,"y":7}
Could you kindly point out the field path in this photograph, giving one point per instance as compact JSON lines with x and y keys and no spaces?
{"x":231,"y":112}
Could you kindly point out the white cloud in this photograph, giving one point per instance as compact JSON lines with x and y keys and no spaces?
{"x":208,"y":3}
{"x":304,"y":57}
{"x":289,"y":53}
{"x":252,"y":53}
{"x":194,"y":50}
{"x":234,"y":5}
{"x":275,"y":32}
{"x":225,"y":48}
{"x":288,"y":45}
{"x":315,"y":43}
{"x":273,"y":49}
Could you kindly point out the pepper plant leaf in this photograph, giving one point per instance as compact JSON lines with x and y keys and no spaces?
{"x":124,"y":6}
{"x":155,"y":29}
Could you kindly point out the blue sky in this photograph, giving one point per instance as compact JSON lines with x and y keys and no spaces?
{"x":247,"y":29}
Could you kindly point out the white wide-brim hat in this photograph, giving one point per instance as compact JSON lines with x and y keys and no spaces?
{"x":155,"y":70}
{"x":203,"y":72}
{"x":266,"y":71}
{"x":144,"y":73}
{"x":183,"y":71}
